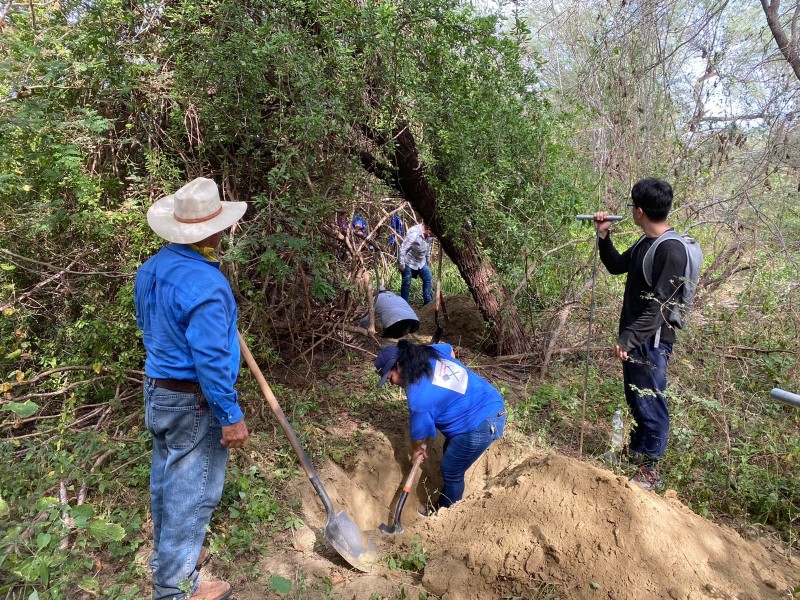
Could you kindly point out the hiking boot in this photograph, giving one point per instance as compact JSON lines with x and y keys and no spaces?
{"x":212,"y":590}
{"x":648,"y":478}
{"x":202,"y":560}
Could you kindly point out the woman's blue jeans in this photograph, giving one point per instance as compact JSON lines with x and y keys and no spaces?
{"x":427,"y":283}
{"x":644,"y":375}
{"x":186,"y":478}
{"x":461,"y":451}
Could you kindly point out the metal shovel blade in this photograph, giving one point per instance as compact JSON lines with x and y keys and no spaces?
{"x":340,"y":530}
{"x":349,"y":541}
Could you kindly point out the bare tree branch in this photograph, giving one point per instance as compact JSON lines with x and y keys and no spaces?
{"x":787,"y":46}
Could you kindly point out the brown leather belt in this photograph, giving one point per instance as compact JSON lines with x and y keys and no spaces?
{"x":178,"y":385}
{"x":186,"y":387}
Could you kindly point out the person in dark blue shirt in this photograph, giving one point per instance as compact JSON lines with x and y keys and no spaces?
{"x":188,"y":317}
{"x":443,"y":394}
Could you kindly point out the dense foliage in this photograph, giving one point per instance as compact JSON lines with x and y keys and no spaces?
{"x":294,"y":106}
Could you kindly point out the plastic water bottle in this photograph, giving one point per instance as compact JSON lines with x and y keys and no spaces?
{"x":616,"y":431}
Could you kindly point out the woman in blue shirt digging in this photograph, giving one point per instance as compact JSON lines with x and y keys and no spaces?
{"x":443,"y":394}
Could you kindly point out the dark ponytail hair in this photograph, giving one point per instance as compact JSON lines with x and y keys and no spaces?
{"x":415,"y":359}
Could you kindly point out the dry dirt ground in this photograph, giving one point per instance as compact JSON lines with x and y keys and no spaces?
{"x":532,"y":525}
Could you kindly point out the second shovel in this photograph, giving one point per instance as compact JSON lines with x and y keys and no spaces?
{"x":409,"y":485}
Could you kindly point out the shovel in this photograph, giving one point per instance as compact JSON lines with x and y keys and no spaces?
{"x":340,"y":530}
{"x":409,"y":485}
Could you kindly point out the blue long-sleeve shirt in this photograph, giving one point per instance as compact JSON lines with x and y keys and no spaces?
{"x":188,"y":316}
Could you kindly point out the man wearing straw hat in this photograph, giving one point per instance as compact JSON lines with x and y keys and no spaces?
{"x":187,"y":313}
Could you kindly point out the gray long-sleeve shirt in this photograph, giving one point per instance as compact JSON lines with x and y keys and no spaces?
{"x":416,"y":249}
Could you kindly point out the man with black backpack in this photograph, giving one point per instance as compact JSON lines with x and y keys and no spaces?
{"x":662,"y":269}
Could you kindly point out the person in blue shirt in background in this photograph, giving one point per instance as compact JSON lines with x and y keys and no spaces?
{"x":398,"y":232}
{"x":443,"y":394}
{"x":188,"y":317}
{"x":360,"y":229}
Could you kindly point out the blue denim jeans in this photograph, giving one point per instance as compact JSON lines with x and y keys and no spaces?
{"x":427,"y":283}
{"x":461,"y":451}
{"x":186,"y":478}
{"x":644,"y":375}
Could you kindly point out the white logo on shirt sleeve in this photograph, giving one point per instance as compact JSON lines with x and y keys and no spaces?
{"x":451,"y":376}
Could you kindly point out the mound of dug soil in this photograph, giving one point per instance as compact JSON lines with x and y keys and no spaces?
{"x":532,"y":525}
{"x":464,"y":325}
{"x":554,"y":523}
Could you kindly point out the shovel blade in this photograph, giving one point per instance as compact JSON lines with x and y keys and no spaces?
{"x":350,"y":542}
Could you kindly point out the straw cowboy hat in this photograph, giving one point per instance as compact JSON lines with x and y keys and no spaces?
{"x":193,"y":213}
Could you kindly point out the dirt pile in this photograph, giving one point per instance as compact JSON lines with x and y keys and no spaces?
{"x":463,"y":326}
{"x":532,"y":525}
{"x":551,"y":523}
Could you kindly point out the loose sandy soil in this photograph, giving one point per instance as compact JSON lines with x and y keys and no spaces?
{"x":533,"y":525}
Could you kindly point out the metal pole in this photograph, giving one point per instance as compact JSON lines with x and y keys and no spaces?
{"x":588,"y":343}
{"x":785,"y":397}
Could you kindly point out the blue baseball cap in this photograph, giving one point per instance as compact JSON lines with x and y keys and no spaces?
{"x":385,"y":361}
{"x":358,"y":221}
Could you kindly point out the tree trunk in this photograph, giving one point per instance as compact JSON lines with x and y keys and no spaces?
{"x":506,"y":331}
{"x":788,"y":47}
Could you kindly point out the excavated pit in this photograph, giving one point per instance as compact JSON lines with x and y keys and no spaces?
{"x":532,"y":525}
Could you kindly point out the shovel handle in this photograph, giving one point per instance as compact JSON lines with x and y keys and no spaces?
{"x":305,"y":461}
{"x":407,"y":487}
{"x":412,"y":476}
{"x":437,"y":335}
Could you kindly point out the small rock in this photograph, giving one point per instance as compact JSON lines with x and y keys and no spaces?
{"x":771,"y":583}
{"x":304,"y":539}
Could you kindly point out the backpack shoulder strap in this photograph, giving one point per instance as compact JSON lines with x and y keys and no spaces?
{"x":647,"y":263}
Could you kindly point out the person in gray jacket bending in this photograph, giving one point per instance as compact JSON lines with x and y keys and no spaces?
{"x":397,"y":317}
